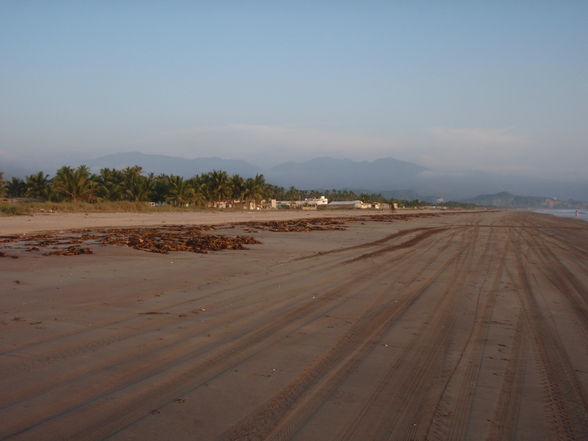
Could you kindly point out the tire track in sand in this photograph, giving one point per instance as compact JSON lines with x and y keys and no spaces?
{"x":283,"y":415}
{"x":459,"y":392}
{"x":227,"y":357}
{"x":565,"y":401}
{"x":407,"y":381}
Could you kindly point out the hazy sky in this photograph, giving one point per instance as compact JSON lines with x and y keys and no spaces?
{"x":491,"y":85}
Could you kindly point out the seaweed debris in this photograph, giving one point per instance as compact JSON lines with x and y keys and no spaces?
{"x":298,"y":225}
{"x":160,"y":240}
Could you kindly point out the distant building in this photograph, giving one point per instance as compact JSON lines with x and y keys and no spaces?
{"x":316,"y":201}
{"x":311,"y":203}
{"x":269,"y":204}
{"x":380,"y":206}
{"x":346,"y":204}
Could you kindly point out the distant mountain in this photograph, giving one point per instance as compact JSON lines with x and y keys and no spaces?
{"x":508,"y":200}
{"x":10,"y":169}
{"x":466,"y":185}
{"x":408,"y":195}
{"x":327,"y":173}
{"x":172,"y":165}
{"x":389,"y":176}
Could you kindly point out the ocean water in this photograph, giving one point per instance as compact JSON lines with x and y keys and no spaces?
{"x":565,"y":212}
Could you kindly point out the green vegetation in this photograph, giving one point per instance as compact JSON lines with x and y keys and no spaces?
{"x":131,"y":185}
{"x":30,"y":207}
{"x":129,"y":190}
{"x":463,"y":205}
{"x":11,"y":210}
{"x":294,"y":194}
{"x":79,"y":185}
{"x":415,"y":203}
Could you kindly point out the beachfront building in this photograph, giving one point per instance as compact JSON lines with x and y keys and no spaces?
{"x":308,"y":203}
{"x":358,"y":204}
{"x":316,"y":201}
{"x":346,"y":204}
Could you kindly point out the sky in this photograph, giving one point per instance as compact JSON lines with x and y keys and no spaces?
{"x":498,"y":86}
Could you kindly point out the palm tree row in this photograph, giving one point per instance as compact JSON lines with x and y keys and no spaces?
{"x":131,"y":184}
{"x":295,"y":194}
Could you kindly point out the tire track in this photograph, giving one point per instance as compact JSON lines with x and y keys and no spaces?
{"x":464,"y":379}
{"x":566,"y":403}
{"x":409,"y":243}
{"x":406,"y":377}
{"x":562,"y":278}
{"x":247,"y":344}
{"x":508,"y":406}
{"x":435,"y":295}
{"x":243,"y":303}
{"x":291,"y":320}
{"x":123,"y":320}
{"x":374,"y":243}
{"x":277,"y":419}
{"x":135,"y":324}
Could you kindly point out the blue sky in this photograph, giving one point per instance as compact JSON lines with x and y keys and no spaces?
{"x":497,"y":86}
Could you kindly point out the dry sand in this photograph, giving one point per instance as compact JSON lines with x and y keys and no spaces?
{"x":468,"y":326}
{"x":65,"y":221}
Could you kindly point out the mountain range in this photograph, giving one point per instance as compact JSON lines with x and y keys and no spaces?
{"x":171,"y":164}
{"x":389,"y":176}
{"x":508,"y":200}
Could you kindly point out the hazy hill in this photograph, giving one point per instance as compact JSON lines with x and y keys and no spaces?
{"x":172,"y":165}
{"x":508,"y":200}
{"x":10,"y":169}
{"x":389,"y":176}
{"x":381,"y":174}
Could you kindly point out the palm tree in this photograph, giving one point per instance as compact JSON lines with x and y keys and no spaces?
{"x":140,"y":189}
{"x":238,"y":187}
{"x":180,"y":191}
{"x":2,"y":184}
{"x":161,"y":188}
{"x":293,"y":194}
{"x":255,"y":188}
{"x":136,"y":186}
{"x":38,"y":186}
{"x":220,"y":185}
{"x":109,"y":184}
{"x":16,"y":188}
{"x":74,"y":184}
{"x":275,"y":192}
{"x":200,"y":196}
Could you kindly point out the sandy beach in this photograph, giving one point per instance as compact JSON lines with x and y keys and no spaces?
{"x":66,"y":221}
{"x":462,"y":326}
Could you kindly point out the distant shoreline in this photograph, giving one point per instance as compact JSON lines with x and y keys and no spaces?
{"x":564,"y":212}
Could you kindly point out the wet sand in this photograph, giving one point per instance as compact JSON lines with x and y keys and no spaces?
{"x":470,"y":326}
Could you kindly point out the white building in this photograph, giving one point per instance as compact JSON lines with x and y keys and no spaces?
{"x":316,"y":201}
{"x":346,"y":204}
